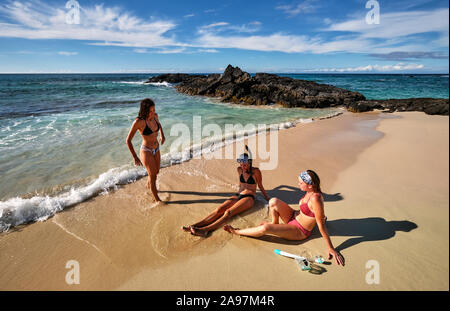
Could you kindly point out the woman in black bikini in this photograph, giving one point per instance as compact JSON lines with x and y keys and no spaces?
{"x":249,"y":178}
{"x":148,"y":125}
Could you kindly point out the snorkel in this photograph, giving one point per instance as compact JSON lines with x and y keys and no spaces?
{"x":246,"y":158}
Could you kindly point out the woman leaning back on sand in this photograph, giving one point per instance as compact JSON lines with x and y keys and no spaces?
{"x":249,"y":178}
{"x":297,"y":224}
{"x":148,"y":125}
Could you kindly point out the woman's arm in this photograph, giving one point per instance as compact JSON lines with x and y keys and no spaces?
{"x":317,"y":205}
{"x":163,"y":138}
{"x":258,"y":176}
{"x":130,"y":136}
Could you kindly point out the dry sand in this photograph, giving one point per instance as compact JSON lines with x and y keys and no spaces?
{"x":385,"y":179}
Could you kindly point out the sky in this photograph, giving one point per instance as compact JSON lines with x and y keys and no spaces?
{"x":306,"y":36}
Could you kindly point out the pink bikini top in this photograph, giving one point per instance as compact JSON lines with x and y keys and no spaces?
{"x":305,"y":209}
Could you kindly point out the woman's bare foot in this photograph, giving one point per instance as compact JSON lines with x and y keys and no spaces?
{"x":186,"y":228}
{"x":198,"y":232}
{"x":230,"y":229}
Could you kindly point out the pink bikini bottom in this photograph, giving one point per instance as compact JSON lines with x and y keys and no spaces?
{"x":293,"y":221}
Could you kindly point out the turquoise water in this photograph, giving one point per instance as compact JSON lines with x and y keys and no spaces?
{"x":385,"y":86}
{"x":62,"y":137}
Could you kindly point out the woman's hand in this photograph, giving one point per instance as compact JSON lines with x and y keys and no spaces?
{"x":162,"y":140}
{"x":137,"y":162}
{"x":340,"y":260}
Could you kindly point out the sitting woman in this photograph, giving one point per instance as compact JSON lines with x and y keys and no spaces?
{"x":297,"y":224}
{"x":249,"y":178}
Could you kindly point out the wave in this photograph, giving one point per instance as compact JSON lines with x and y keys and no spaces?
{"x":19,"y":211}
{"x":166,"y":84}
{"x":131,"y":82}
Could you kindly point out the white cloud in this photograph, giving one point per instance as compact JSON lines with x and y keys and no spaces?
{"x":371,"y":68}
{"x":64,"y":53}
{"x":37,"y":20}
{"x":171,"y":51}
{"x":281,"y":43}
{"x":112,"y":26}
{"x":307,"y":6}
{"x":207,"y":51}
{"x":224,"y":26}
{"x":214,"y":25}
{"x":397,"y":25}
{"x":394,"y":33}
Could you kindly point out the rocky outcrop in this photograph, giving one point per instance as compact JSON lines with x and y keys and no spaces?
{"x":432,"y":106}
{"x":237,"y":86}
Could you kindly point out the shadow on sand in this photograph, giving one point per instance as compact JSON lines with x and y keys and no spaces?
{"x":290,"y":195}
{"x":359,"y":230}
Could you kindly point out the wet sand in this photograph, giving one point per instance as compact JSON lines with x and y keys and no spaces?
{"x":385,"y":180}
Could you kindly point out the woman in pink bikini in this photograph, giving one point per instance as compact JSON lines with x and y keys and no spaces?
{"x":297,"y":224}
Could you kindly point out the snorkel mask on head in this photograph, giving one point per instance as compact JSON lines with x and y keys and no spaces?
{"x":305,"y":177}
{"x":245,"y":158}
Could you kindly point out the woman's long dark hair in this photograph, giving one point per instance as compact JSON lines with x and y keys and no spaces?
{"x":146,"y":104}
{"x":315,"y":181}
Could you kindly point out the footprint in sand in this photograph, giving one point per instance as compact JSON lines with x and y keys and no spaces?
{"x":167,"y":241}
{"x":146,"y":201}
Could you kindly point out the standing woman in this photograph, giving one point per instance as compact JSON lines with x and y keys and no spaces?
{"x":148,"y":125}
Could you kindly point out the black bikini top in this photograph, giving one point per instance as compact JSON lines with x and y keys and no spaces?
{"x":148,"y":131}
{"x":250,"y":180}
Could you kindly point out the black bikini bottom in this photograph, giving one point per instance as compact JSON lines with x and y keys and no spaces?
{"x":241,"y":196}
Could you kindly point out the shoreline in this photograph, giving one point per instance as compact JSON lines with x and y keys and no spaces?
{"x":116,"y":177}
{"x":123,"y":243}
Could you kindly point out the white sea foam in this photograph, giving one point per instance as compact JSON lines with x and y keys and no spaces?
{"x":166,"y":84}
{"x":131,"y":82}
{"x":18,"y":211}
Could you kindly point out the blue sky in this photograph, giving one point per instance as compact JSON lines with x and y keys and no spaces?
{"x":303,"y":36}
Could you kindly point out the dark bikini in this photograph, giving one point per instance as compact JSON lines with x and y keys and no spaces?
{"x":249,"y":181}
{"x":148,"y":131}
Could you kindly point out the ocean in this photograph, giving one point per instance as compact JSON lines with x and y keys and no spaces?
{"x":62,"y":136}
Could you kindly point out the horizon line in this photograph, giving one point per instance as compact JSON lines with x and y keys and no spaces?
{"x":213,"y":72}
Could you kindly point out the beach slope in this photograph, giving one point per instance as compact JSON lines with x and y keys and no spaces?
{"x":385,"y":179}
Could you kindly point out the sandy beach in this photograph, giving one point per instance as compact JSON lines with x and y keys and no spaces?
{"x":385,"y":179}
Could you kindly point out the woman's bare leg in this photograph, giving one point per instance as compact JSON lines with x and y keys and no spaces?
{"x":214,"y":215}
{"x":279,"y":208}
{"x":158,"y":161}
{"x":239,"y":207}
{"x":288,"y":232}
{"x":149,"y":162}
